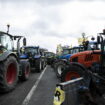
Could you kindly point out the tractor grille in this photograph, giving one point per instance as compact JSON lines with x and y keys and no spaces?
{"x":89,"y":58}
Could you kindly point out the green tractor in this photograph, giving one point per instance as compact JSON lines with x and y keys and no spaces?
{"x":50,"y":56}
{"x":11,"y":67}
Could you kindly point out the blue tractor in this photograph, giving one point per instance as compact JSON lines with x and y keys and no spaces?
{"x":64,"y":58}
{"x":33,"y":53}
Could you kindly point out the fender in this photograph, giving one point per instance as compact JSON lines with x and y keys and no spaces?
{"x":80,"y":65}
{"x":5,"y":55}
{"x":67,"y":62}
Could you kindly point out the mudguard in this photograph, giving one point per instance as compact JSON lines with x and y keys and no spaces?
{"x":80,"y":65}
{"x":5,"y":54}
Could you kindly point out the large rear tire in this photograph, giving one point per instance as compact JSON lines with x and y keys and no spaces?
{"x":72,"y":72}
{"x":8,"y":74}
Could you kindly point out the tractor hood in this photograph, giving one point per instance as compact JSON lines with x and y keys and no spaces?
{"x":86,"y":58}
{"x":37,"y":56}
{"x":23,"y":56}
{"x":67,"y":56}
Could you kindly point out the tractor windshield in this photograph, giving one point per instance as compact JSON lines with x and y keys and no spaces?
{"x":66,"y":51}
{"x":31,"y":50}
{"x":93,"y":45}
{"x":49,"y":54}
{"x":77,"y":49}
{"x":6,"y":41}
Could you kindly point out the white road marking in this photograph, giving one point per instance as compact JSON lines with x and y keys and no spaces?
{"x":28,"y":97}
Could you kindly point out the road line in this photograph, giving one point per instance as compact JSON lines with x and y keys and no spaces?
{"x":28,"y":97}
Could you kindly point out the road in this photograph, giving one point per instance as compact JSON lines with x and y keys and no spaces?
{"x":43,"y":92}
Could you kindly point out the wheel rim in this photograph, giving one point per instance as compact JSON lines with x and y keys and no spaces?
{"x":59,"y":70}
{"x":71,"y":75}
{"x":27,"y":71}
{"x":11,"y":73}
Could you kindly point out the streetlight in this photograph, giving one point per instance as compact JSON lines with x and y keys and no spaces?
{"x":8,"y":26}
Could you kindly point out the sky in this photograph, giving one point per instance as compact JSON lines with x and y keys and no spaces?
{"x":48,"y":23}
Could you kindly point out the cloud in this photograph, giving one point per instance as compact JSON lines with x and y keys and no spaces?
{"x":50,"y":22}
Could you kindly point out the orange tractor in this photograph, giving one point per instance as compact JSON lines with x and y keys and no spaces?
{"x":91,"y":66}
{"x":82,"y":60}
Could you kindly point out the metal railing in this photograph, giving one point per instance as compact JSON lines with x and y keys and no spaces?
{"x":67,"y":93}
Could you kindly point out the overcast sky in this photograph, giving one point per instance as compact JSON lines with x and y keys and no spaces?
{"x":51,"y":22}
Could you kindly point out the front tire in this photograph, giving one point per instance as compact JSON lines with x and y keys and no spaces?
{"x":25,"y":67}
{"x":39,"y":65}
{"x":8,"y":74}
{"x":60,"y":68}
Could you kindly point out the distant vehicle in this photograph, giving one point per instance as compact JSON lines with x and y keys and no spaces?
{"x":36,"y":59}
{"x":50,"y":56}
{"x":65,"y":57}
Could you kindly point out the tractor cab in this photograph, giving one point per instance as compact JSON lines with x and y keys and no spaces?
{"x":66,"y":51}
{"x":91,"y":45}
{"x":6,"y":41}
{"x":77,"y":49}
{"x":29,"y":51}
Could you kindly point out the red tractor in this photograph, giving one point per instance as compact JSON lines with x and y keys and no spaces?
{"x":91,"y":66}
{"x":82,"y":60}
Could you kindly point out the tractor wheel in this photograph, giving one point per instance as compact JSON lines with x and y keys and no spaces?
{"x":43,"y":65}
{"x":59,"y":68}
{"x":25,"y":67}
{"x":8,"y":74}
{"x":39,"y":65}
{"x":71,"y":72}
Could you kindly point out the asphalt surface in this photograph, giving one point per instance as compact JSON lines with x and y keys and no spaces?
{"x":43,"y":95}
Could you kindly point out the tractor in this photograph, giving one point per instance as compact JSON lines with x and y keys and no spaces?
{"x":35,"y":57}
{"x":91,"y":66}
{"x":50,"y":57}
{"x":12,"y":67}
{"x":65,"y":57}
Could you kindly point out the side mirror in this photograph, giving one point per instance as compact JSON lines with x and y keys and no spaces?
{"x":104,"y":31}
{"x":98,"y":39}
{"x":92,"y":38}
{"x":24,"y":41}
